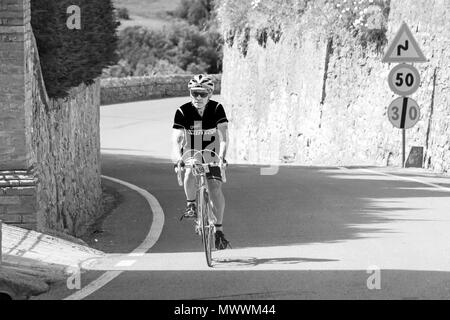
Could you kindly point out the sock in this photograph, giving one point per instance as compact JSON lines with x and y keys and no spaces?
{"x":190,"y":202}
{"x":218,"y":227}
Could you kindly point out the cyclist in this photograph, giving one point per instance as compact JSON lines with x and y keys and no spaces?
{"x":202,"y":124}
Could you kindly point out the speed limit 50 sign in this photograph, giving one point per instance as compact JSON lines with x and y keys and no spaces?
{"x":404,"y":113}
{"x":404,"y":79}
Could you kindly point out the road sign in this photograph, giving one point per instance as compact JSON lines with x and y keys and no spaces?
{"x":404,"y":113}
{"x":404,"y":48}
{"x":404,"y":80}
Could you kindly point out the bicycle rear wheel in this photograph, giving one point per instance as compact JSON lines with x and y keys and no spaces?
{"x":207,"y":228}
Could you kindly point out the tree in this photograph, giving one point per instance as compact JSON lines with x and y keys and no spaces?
{"x":70,"y":57}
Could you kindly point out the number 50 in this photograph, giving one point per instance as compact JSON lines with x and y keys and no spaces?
{"x":408,"y":79}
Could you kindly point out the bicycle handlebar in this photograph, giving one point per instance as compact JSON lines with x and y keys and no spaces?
{"x":179,"y":168}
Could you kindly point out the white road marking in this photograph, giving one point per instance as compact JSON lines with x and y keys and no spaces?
{"x":400,"y":178}
{"x":136,"y":254}
{"x":149,"y":241}
{"x":125,"y":263}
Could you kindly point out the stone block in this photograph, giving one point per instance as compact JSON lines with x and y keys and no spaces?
{"x":11,"y":218}
{"x":28,"y":201}
{"x":20,"y":209}
{"x":9,"y":200}
{"x":28,"y":226}
{"x":4,"y":184}
{"x":12,"y":37}
{"x":12,"y":21}
{"x":29,"y":219}
{"x":10,"y":69}
{"x":20,"y":191}
{"x":27,"y":182}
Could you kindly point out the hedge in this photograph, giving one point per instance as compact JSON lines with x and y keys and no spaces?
{"x":70,"y":57}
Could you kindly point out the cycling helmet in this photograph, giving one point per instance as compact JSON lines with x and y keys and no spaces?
{"x":202,"y":81}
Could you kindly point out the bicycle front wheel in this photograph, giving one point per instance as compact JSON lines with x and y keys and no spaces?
{"x":207,"y":228}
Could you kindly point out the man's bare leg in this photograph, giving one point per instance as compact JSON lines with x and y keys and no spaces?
{"x":218,"y":200}
{"x":189,"y":185}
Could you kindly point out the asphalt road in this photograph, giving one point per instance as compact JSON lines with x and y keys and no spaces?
{"x":304,"y":233}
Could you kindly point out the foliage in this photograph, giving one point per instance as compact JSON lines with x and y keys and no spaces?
{"x":70,"y":57}
{"x":180,"y":48}
{"x":122,"y":13}
{"x":196,"y":12}
{"x":363,"y":19}
{"x":192,"y":44}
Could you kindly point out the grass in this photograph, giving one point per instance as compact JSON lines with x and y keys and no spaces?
{"x":148,"y":13}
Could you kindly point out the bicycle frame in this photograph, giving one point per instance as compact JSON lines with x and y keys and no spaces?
{"x":206,"y":218}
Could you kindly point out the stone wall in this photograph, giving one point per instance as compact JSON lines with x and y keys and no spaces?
{"x":315,"y":100}
{"x":49,"y":150}
{"x":66,"y":143}
{"x":120,"y":90}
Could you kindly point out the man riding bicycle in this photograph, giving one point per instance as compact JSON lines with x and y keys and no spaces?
{"x":202,"y":124}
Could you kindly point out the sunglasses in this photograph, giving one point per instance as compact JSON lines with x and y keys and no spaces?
{"x":200,"y":94}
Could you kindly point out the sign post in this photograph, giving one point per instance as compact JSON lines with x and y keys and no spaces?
{"x":404,"y":80}
{"x":403,"y":113}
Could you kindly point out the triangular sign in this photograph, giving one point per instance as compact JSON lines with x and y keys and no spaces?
{"x":404,"y":48}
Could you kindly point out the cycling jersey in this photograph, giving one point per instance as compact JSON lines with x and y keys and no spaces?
{"x":200,"y":131}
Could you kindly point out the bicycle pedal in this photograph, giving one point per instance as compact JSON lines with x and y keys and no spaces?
{"x":197,"y":229}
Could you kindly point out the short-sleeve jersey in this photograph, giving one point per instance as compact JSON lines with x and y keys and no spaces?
{"x":200,"y":131}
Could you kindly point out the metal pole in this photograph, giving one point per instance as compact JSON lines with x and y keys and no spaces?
{"x":403,"y":147}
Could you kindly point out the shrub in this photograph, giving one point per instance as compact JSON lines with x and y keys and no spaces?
{"x":196,"y":12}
{"x":366,"y":20}
{"x":179,"y":48}
{"x":122,"y":13}
{"x":71,"y":57}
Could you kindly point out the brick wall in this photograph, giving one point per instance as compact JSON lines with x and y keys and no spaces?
{"x":120,"y":90}
{"x":18,"y":197}
{"x":49,"y":150}
{"x":15,"y":77}
{"x":17,"y":178}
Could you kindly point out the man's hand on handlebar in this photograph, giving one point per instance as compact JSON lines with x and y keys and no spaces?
{"x":222,"y":162}
{"x":179,"y":163}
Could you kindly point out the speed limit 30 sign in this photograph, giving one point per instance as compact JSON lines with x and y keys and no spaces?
{"x":404,"y":113}
{"x":404,"y":79}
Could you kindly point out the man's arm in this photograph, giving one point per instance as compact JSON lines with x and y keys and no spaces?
{"x":222,"y":129}
{"x":177,"y":143}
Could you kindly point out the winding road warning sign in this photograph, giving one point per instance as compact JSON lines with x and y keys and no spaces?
{"x":404,"y":48}
{"x":404,"y":113}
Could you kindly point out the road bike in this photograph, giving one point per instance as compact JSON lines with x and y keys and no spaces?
{"x":205,"y":223}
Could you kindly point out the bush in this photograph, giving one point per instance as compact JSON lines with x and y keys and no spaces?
{"x":179,"y":48}
{"x":122,"y":13}
{"x":196,"y":12}
{"x":71,"y":57}
{"x":366,"y":20}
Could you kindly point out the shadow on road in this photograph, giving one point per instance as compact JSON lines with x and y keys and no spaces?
{"x":274,"y":285}
{"x":253,"y":261}
{"x":299,"y":205}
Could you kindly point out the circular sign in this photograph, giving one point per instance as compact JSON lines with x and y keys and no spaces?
{"x":404,"y":113}
{"x":404,"y":79}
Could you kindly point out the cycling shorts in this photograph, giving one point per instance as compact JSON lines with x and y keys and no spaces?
{"x":214,"y":173}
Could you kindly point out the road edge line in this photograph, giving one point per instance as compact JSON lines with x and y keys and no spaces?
{"x":149,"y":241}
{"x":400,"y":178}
